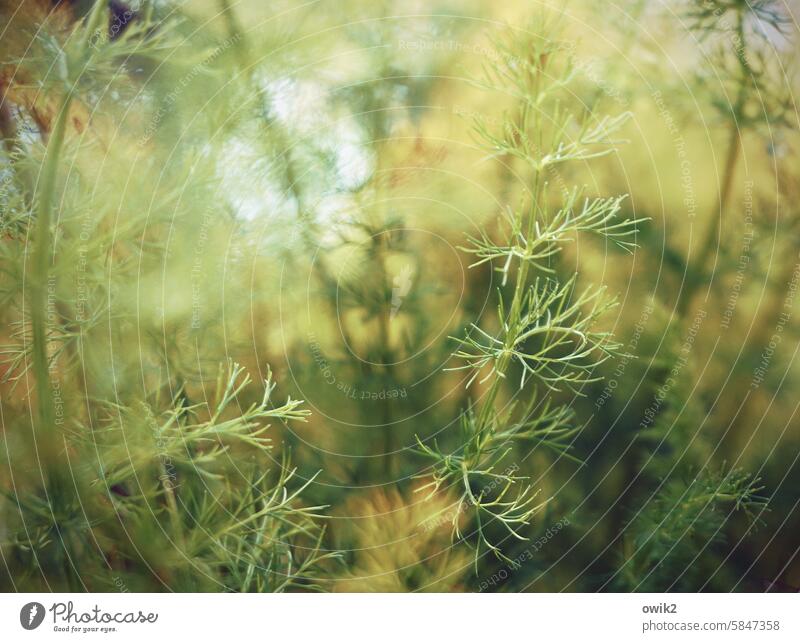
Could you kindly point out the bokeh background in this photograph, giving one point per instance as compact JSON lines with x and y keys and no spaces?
{"x":288,"y":186}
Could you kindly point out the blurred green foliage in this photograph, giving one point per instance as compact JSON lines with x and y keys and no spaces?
{"x":523,"y":267}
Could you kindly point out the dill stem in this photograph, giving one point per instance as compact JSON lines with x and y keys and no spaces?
{"x":175,"y":521}
{"x":172,"y":505}
{"x":485,"y":414}
{"x":389,"y":442}
{"x":42,"y":247}
{"x":697,"y":269}
{"x":516,"y":305}
{"x":259,"y":538}
{"x":41,"y":251}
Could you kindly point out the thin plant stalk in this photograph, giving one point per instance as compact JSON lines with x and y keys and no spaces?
{"x":41,"y":252}
{"x":697,"y":268}
{"x":519,"y":287}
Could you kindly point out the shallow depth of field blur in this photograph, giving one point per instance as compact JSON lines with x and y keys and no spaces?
{"x":399,"y":296}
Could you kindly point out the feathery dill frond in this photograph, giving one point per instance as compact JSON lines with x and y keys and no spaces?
{"x":546,"y":330}
{"x":668,"y":539}
{"x":552,"y":338}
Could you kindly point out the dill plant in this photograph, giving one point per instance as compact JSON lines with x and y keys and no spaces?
{"x":166,"y":214}
{"x":754,"y":101}
{"x":750,"y":94}
{"x":156,"y":471}
{"x":681,"y":502}
{"x":545,"y":337}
